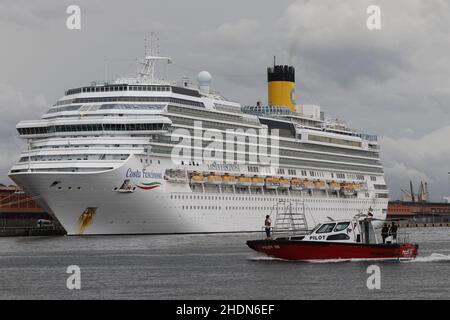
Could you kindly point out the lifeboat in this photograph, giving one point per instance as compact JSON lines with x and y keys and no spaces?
{"x":229,"y":180}
{"x":333,"y":185}
{"x":337,"y":240}
{"x":198,"y":179}
{"x":244,"y":181}
{"x":296,"y":184}
{"x":309,"y":185}
{"x":272,"y":183}
{"x":214,"y":179}
{"x":284,"y":183}
{"x":321,"y":185}
{"x":348,"y":189}
{"x":258,"y":182}
{"x":356,"y":186}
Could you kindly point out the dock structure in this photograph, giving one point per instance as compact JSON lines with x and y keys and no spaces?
{"x":20,"y":214}
{"x":420,"y":214}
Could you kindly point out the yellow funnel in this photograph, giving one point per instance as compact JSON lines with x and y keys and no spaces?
{"x":281,"y":86}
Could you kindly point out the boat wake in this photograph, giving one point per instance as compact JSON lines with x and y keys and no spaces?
{"x":434,"y":257}
{"x":264,"y":258}
{"x":267,"y":258}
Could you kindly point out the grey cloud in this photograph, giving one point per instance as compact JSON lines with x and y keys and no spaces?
{"x":348,"y":64}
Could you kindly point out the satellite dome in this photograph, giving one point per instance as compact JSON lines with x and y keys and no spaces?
{"x":204,"y":78}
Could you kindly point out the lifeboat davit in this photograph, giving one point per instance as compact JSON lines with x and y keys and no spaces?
{"x":335,"y":240}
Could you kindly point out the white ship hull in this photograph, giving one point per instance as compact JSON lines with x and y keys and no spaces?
{"x":171,"y":207}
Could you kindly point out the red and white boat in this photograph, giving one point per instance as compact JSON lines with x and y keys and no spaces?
{"x":335,"y":240}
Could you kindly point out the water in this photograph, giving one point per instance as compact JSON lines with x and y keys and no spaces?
{"x":209,"y":267}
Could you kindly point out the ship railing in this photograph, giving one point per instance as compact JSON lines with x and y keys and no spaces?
{"x":400,"y":237}
{"x":285,"y":233}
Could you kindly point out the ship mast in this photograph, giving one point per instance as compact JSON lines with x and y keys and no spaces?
{"x":147,"y":73}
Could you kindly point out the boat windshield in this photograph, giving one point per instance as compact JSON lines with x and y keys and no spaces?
{"x":341,"y":226}
{"x":326,"y":228}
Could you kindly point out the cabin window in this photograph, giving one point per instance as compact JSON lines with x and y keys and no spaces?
{"x":341,"y":226}
{"x":339,"y":236}
{"x":326,"y":228}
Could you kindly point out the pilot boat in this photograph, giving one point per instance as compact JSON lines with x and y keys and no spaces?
{"x":333,"y":240}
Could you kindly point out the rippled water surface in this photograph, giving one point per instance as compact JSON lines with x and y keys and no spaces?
{"x":209,"y":267}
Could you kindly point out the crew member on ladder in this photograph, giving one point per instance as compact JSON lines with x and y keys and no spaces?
{"x":267,"y":224}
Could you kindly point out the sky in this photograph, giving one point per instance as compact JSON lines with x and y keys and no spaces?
{"x":393,"y":82}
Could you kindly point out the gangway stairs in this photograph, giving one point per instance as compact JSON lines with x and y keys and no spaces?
{"x":290,"y":219}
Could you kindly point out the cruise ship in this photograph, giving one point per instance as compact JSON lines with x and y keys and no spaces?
{"x":143,"y":155}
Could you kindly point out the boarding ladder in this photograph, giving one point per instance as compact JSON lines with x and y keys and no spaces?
{"x":290,"y":218}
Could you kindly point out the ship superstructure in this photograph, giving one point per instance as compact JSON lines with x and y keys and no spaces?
{"x":142,"y":155}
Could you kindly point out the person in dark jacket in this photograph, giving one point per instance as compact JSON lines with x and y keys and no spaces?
{"x":393,"y":231}
{"x":384,"y":232}
{"x":267,"y":224}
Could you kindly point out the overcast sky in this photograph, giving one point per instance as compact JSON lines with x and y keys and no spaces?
{"x":393,"y":82}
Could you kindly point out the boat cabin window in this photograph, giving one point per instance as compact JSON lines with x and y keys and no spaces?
{"x":341,"y":226}
{"x":326,"y":228}
{"x":339,"y":236}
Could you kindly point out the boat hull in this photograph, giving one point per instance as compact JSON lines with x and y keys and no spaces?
{"x":315,"y":250}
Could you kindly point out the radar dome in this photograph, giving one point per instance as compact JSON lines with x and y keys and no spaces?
{"x":204,"y":77}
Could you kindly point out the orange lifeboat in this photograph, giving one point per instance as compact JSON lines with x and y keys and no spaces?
{"x":245,"y":181}
{"x":214,"y":179}
{"x":284,"y":183}
{"x":309,"y":185}
{"x":296,"y":184}
{"x":229,"y":180}
{"x":258,"y":182}
{"x":348,"y":189}
{"x":198,"y":178}
{"x":333,"y":185}
{"x":321,"y":185}
{"x":272,"y":183}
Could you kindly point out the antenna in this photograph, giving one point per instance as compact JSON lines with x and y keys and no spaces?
{"x":147,"y":73}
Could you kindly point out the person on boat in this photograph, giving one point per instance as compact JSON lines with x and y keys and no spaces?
{"x":393,"y":231}
{"x":384,"y":232}
{"x":267,"y":224}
